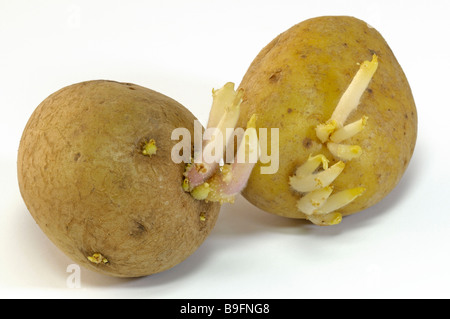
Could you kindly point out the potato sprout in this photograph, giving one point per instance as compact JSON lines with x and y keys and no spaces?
{"x":209,"y":181}
{"x":317,"y":200}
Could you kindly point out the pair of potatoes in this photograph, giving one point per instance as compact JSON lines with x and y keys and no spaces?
{"x":95,"y":168}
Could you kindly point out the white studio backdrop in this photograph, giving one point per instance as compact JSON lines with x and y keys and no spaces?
{"x":183,"y":49}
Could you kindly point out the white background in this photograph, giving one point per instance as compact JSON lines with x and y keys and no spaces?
{"x":399,"y":248}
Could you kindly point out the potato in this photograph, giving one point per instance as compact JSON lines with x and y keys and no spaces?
{"x":95,"y":171}
{"x":295,"y":84}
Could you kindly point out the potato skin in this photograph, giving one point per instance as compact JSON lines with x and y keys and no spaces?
{"x":295,"y":83}
{"x":87,"y":184}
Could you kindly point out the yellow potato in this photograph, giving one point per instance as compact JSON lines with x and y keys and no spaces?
{"x":95,"y":171}
{"x":295,"y":84}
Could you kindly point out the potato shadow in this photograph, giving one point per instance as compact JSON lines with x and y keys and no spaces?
{"x":243,"y":219}
{"x":49,"y":269}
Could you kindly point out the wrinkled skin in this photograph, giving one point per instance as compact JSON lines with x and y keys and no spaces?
{"x":87,"y":184}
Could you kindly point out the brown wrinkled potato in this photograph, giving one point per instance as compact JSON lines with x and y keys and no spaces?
{"x":95,"y":171}
{"x":295,"y":84}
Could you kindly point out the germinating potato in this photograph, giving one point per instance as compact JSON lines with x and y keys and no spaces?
{"x":95,"y":171}
{"x":346,"y":117}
